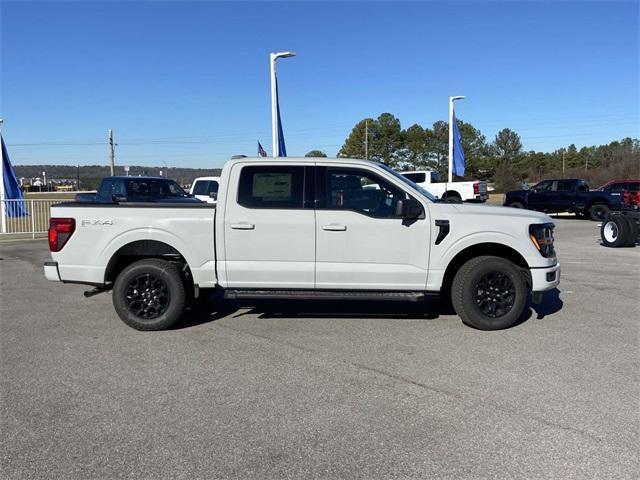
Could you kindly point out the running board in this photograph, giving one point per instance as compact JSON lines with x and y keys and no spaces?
{"x":237,"y":294}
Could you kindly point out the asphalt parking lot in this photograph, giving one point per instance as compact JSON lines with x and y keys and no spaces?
{"x":312,"y":390}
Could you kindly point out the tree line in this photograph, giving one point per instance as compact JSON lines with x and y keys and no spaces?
{"x":501,"y":160}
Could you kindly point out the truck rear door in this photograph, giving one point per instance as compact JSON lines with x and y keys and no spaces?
{"x":269,"y":229}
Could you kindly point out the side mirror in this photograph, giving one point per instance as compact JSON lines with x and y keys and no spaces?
{"x":118,"y":198}
{"x":409,"y":209}
{"x":213,"y":195}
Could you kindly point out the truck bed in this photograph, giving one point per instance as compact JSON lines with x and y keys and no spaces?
{"x":101,"y":230}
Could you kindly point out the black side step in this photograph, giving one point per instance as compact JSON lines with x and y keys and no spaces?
{"x":236,"y":294}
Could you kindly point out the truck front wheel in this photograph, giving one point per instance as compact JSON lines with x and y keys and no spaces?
{"x":489,"y":293}
{"x":149,"y":294}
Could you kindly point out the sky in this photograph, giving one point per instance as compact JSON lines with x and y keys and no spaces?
{"x":187,"y":83}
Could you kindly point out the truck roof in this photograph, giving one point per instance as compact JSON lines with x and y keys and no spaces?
{"x":302,"y":160}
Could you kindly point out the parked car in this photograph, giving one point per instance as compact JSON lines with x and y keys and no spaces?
{"x":473,"y":191}
{"x":565,"y":195}
{"x":137,"y":189}
{"x":629,"y":188}
{"x":205,"y":189}
{"x":307,"y":228}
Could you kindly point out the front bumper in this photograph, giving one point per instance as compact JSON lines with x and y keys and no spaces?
{"x":51,"y":271}
{"x":545,"y":278}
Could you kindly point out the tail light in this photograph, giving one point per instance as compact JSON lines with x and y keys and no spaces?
{"x":476,"y":188}
{"x":60,"y":230}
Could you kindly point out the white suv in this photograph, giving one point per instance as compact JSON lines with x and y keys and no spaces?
{"x":205,"y":189}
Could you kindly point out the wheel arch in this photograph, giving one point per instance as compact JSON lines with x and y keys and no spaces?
{"x":138,"y":250}
{"x":452,"y":194}
{"x":482,"y":249}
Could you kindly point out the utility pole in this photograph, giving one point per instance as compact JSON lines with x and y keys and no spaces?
{"x":366,"y":139}
{"x":78,"y":178}
{"x":111,"y":153}
{"x":563,"y":160}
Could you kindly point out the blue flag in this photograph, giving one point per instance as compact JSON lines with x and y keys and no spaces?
{"x":282,"y":149}
{"x":11,"y":188}
{"x":261,"y":151}
{"x":458,"y":153}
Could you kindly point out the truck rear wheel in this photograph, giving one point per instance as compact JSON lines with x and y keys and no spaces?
{"x":149,"y":294}
{"x":489,"y":293}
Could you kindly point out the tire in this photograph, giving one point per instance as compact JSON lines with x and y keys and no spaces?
{"x":481,"y":308}
{"x":149,"y":294}
{"x":614,"y":231}
{"x":516,"y":205}
{"x":632,"y":232}
{"x":598,"y":211}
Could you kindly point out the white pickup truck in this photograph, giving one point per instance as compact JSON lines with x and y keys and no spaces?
{"x":472,"y":191}
{"x":312,"y":228}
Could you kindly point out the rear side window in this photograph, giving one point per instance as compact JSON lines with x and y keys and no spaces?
{"x":416,"y":177}
{"x":564,"y":186}
{"x":205,"y":187}
{"x":275,"y":186}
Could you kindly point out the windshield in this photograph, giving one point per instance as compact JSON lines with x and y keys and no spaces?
{"x":155,"y":188}
{"x":404,"y":179}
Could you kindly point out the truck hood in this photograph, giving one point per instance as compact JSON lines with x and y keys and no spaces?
{"x":490,"y":210}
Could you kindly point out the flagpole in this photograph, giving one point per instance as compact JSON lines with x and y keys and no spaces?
{"x":451,"y":100}
{"x":3,"y":207}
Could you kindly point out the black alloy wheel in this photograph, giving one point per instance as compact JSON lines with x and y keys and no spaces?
{"x":495,"y":294}
{"x":147,"y":296}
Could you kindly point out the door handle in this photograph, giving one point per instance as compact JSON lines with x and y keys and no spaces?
{"x":243,"y":226}
{"x":334,"y":227}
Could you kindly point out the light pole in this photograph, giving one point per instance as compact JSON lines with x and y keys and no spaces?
{"x":451,"y":100}
{"x":274,"y":99}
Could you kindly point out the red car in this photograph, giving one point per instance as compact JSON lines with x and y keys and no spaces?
{"x":630,"y":189}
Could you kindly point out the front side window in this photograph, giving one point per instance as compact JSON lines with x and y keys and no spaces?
{"x":543,"y":187}
{"x":362,"y":192}
{"x":271,"y":187}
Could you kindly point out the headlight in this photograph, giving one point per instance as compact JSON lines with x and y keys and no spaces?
{"x":541,"y":234}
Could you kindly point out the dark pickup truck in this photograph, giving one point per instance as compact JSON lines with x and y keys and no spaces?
{"x":565,"y":195}
{"x":137,"y":189}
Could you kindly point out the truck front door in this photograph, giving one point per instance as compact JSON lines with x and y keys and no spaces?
{"x":362,"y":244}
{"x":269,"y":229}
{"x":539,"y":197}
